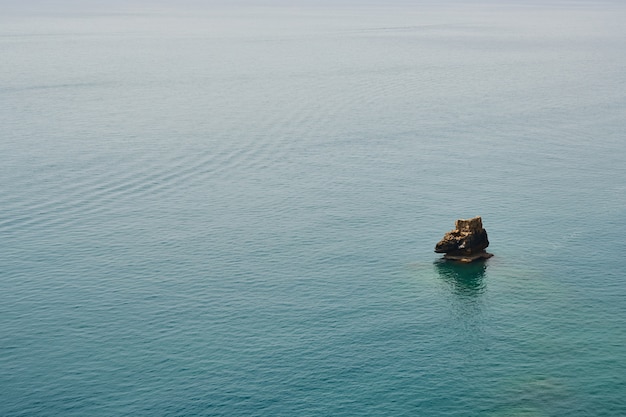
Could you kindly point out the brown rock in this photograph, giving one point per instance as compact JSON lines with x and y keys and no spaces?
{"x":466,"y":243}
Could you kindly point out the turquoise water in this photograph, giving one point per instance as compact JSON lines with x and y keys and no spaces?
{"x":232,"y":211}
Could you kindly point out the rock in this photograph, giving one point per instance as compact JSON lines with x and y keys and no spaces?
{"x":466,"y":243}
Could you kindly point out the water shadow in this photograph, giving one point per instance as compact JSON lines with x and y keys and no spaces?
{"x":465,"y":279}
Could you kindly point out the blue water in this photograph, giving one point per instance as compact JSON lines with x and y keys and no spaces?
{"x":232,"y":211}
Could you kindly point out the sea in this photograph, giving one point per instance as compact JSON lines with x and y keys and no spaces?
{"x":231,"y":209}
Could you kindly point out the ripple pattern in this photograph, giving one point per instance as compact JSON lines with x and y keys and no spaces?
{"x":233,"y":211}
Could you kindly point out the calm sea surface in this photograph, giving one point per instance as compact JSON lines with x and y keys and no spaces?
{"x":232,"y":211}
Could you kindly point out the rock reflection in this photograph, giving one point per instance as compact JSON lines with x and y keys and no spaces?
{"x":465,"y":279}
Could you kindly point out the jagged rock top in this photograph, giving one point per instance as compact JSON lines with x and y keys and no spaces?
{"x":470,"y":225}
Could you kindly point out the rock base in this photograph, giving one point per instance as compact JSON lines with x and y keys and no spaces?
{"x":468,"y":258}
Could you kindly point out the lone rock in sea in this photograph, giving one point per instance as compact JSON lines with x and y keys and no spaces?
{"x":466,"y":243}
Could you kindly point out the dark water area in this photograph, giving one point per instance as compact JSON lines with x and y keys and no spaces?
{"x":465,"y":279}
{"x":233,"y":211}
